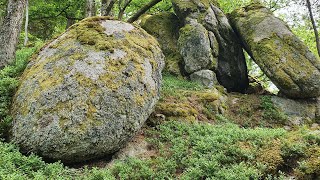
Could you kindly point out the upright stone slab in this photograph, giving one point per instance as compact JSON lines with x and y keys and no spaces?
{"x":195,"y":48}
{"x":284,"y":58}
{"x":88,"y":92}
{"x":225,"y":57}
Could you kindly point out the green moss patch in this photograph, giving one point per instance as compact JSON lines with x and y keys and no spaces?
{"x":185,"y":100}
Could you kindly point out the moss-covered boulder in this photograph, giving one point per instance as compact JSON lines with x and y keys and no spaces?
{"x":87,"y":92}
{"x":279,"y":53}
{"x":165,"y":28}
{"x":208,"y":29}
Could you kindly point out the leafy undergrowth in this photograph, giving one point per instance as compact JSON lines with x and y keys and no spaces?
{"x":185,"y":148}
{"x":9,"y":82}
{"x":192,"y":151}
{"x":254,"y":111}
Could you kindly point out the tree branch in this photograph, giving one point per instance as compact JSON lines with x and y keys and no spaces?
{"x":143,"y":10}
{"x":316,"y":33}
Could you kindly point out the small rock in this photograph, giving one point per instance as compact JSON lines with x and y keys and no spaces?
{"x":205,"y":77}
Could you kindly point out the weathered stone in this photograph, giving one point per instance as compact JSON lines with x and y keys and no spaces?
{"x":299,"y":112}
{"x":225,"y":47}
{"x":191,"y":8}
{"x":195,"y":48}
{"x":280,"y":54}
{"x":165,"y":27}
{"x":232,"y":69}
{"x":88,"y":92}
{"x":205,"y":77}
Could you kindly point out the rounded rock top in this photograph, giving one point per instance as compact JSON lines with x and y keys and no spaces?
{"x":88,"y":92}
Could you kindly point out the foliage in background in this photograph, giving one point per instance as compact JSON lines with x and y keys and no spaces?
{"x":3,"y":5}
{"x":49,"y":18}
{"x":9,"y":82}
{"x":306,"y":34}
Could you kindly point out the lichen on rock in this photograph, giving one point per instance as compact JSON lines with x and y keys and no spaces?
{"x":280,"y":54}
{"x":208,"y":42}
{"x":165,"y":28}
{"x":87,"y":92}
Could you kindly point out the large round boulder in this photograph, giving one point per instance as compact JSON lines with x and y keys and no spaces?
{"x":284,"y":58}
{"x":87,"y":92}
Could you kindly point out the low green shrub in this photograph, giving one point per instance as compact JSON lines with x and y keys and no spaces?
{"x":8,"y":84}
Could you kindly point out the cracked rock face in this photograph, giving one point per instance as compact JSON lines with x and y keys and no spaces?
{"x":280,"y":54}
{"x":208,"y":42}
{"x":88,"y":92}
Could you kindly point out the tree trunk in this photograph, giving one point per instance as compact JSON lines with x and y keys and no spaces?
{"x":109,"y":8}
{"x":104,"y":5}
{"x":90,"y":8}
{"x":10,"y":31}
{"x":70,"y":22}
{"x":316,"y":33}
{"x":143,"y":10}
{"x":26,"y":24}
{"x":122,"y":9}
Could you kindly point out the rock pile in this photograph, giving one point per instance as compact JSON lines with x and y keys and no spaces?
{"x":207,"y":42}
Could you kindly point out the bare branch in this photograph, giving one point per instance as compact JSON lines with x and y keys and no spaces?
{"x":143,"y":10}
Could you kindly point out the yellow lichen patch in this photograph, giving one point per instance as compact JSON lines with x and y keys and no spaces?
{"x":270,"y":156}
{"x":309,"y":168}
{"x":139,"y":99}
{"x":49,"y":82}
{"x":178,"y":110}
{"x":83,"y":80}
{"x":202,"y":105}
{"x":208,"y":96}
{"x":78,"y":56}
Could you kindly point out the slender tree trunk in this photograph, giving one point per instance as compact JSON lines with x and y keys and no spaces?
{"x":143,"y":10}
{"x":109,"y":8}
{"x":316,"y":33}
{"x":26,"y":24}
{"x":90,"y":8}
{"x":104,"y":5}
{"x":122,"y":9}
{"x":70,"y":22}
{"x":10,"y":31}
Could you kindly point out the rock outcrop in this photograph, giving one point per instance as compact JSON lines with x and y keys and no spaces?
{"x":280,"y":54}
{"x":208,"y":42}
{"x":88,"y":92}
{"x":165,"y":28}
{"x":299,"y":112}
